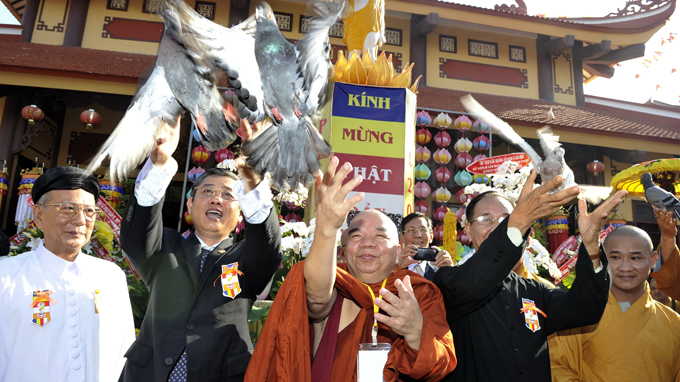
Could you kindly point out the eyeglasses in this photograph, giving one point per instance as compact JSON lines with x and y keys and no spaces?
{"x":488,"y":220}
{"x":412,"y":231}
{"x":210,"y":193}
{"x":69,"y":210}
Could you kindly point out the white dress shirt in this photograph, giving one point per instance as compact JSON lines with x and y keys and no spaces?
{"x":77,"y":344}
{"x":153,"y":181}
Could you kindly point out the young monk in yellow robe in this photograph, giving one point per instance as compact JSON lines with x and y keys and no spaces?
{"x":637,"y":339}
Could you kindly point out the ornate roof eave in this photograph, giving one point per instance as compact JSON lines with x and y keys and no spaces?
{"x":643,"y":24}
{"x":636,"y":14}
{"x":15,"y":7}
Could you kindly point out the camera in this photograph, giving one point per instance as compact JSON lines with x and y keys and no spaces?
{"x":427,"y":254}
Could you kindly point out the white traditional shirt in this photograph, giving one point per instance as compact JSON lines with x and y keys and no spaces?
{"x":63,"y":339}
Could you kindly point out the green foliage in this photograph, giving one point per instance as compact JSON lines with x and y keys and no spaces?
{"x":567,"y":282}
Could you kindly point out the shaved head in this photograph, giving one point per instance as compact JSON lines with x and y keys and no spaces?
{"x":630,"y":232}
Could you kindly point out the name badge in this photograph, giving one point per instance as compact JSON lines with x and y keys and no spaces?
{"x":231,"y":286}
{"x":371,"y":362}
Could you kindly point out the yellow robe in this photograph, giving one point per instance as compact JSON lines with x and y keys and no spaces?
{"x":642,"y":344}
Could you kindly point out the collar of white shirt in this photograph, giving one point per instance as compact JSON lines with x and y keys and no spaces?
{"x":205,"y":246}
{"x":55,"y":264}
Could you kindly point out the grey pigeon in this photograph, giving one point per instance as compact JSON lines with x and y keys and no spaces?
{"x":284,"y":88}
{"x":176,"y":85}
{"x":553,"y":164}
{"x":659,"y":197}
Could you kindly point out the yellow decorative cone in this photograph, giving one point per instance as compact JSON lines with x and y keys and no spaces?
{"x":414,"y":88}
{"x":357,"y":73}
{"x":340,"y":65}
{"x":364,"y":71}
{"x":403,"y":80}
{"x":367,"y":62}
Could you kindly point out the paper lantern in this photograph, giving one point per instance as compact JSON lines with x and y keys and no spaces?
{"x":440,"y":213}
{"x":423,"y":119}
{"x":442,"y":139}
{"x":481,"y":178}
{"x":187,"y":218}
{"x":442,"y":195}
{"x":463,"y":145}
{"x":423,"y":154}
{"x":200,"y":154}
{"x":479,"y":157}
{"x":461,"y":197}
{"x":90,"y":119}
{"x":442,"y":174}
{"x":463,"y":238}
{"x":423,"y":136}
{"x":442,"y":156}
{"x":422,"y":206}
{"x":292,"y":206}
{"x":595,"y":168}
{"x":480,"y":127}
{"x":463,"y":160}
{"x":195,"y":173}
{"x":438,"y":232}
{"x":463,"y":123}
{"x":421,"y":190}
{"x":460,"y":213}
{"x":442,"y":121}
{"x":223,"y":154}
{"x":32,"y":113}
{"x":197,"y":135}
{"x":463,"y":178}
{"x":422,"y":172}
{"x":481,"y":143}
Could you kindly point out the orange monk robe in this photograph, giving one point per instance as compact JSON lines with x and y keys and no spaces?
{"x":668,"y":276}
{"x":283,"y":351}
{"x":640,"y":344}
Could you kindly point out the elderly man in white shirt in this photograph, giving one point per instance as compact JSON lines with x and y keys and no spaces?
{"x":64,"y":315}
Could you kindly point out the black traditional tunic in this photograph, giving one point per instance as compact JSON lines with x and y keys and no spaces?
{"x":494,"y":340}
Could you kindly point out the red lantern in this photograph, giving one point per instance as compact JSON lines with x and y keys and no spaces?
{"x":463,"y":238}
{"x":421,"y":190}
{"x":423,"y":136}
{"x":195,"y":173}
{"x":187,"y":218}
{"x":200,"y":154}
{"x":90,"y":119}
{"x":481,"y":143}
{"x":439,"y":232}
{"x":422,"y":206}
{"x":479,"y":157}
{"x":223,"y":154}
{"x":595,"y":168}
{"x":459,"y":214}
{"x":442,"y":139}
{"x":442,"y":174}
{"x":461,"y":197}
{"x":463,"y":160}
{"x":440,"y":213}
{"x":32,"y":113}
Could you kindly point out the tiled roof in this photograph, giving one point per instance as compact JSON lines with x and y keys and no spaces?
{"x":596,"y":118}
{"x":123,"y":66}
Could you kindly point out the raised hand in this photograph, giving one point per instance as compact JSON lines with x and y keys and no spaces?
{"x":534,"y":204}
{"x":668,"y":225}
{"x":403,"y":312}
{"x":166,"y":144}
{"x":405,"y":256}
{"x":591,"y":224}
{"x":249,"y":177}
{"x":332,"y":205}
{"x":443,"y":259}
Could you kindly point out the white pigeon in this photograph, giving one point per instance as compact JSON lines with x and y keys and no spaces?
{"x":553,"y":164}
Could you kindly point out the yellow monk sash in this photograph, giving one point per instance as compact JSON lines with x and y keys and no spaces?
{"x":374,"y":332}
{"x":616,"y":329}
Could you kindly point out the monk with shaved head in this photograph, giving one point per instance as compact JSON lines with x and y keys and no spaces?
{"x":632,"y":323}
{"x":355,"y":320}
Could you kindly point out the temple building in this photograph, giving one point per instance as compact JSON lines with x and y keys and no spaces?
{"x":69,"y":56}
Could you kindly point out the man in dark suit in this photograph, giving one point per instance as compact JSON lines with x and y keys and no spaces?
{"x":202,"y":287}
{"x":416,"y":232}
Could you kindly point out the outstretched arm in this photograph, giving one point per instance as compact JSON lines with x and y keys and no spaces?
{"x":668,"y":277}
{"x":332,"y":207}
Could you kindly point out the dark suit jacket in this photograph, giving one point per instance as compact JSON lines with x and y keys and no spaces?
{"x":186,"y":308}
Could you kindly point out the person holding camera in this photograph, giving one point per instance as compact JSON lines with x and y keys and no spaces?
{"x":416,"y":254}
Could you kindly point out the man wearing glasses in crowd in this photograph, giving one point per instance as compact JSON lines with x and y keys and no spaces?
{"x":416,"y":232}
{"x":202,"y":287}
{"x":64,"y":315}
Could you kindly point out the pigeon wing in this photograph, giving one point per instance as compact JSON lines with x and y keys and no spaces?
{"x":549,"y":141}
{"x":500,"y":127}
{"x":662,"y":199}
